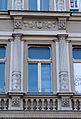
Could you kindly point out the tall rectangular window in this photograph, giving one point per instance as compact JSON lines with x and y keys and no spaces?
{"x":74,"y":5}
{"x":77,"y":68}
{"x":2,"y":67}
{"x":41,"y":5}
{"x":39,"y":69}
{"x":3,"y":5}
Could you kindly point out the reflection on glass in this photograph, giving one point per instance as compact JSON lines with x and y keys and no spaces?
{"x":77,"y":77}
{"x":44,"y":5}
{"x":33,"y":77}
{"x":45,"y":77}
{"x":2,"y":76}
{"x":39,"y":52}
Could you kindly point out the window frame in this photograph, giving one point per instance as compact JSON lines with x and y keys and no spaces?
{"x":39,"y":62}
{"x":6,"y":44}
{"x":72,"y":45}
{"x":40,"y":41}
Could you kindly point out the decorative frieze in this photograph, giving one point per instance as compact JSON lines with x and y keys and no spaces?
{"x":47,"y":25}
{"x":17,"y":23}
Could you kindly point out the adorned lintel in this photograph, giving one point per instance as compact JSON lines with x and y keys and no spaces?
{"x":46,"y":25}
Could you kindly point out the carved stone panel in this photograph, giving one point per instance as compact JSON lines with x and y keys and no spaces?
{"x":62,"y":24}
{"x":17,"y":23}
{"x":64,"y":86}
{"x":18,"y":4}
{"x":40,"y":25}
{"x":16,"y":81}
{"x":60,"y":5}
{"x":15,"y":102}
{"x":65,"y":102}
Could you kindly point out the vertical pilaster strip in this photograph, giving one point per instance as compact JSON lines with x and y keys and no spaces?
{"x":16,"y":69}
{"x":60,"y":5}
{"x":17,"y":4}
{"x":11,"y":63}
{"x":63,"y":64}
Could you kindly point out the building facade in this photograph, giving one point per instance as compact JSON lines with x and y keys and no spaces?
{"x":40,"y":59}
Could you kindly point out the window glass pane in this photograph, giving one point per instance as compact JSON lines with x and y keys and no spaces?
{"x":77,"y":53}
{"x":2,"y":76}
{"x":46,"y":77}
{"x":3,"y":4}
{"x":44,"y":5}
{"x":39,"y":52}
{"x":32,"y":4}
{"x":77,"y":77}
{"x":2,"y":52}
{"x":33,"y":77}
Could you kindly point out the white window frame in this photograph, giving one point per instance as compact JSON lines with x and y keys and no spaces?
{"x":74,"y":6}
{"x":39,"y":61}
{"x":4,"y":60}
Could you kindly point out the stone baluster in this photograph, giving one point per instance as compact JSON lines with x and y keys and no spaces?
{"x":80,"y":104}
{"x":26,"y":104}
{"x":54,"y":104}
{"x":32,"y":104}
{"x":37,"y":105}
{"x":5,"y":104}
{"x":48,"y":104}
{"x":0,"y":104}
{"x":43,"y":105}
{"x":75,"y":104}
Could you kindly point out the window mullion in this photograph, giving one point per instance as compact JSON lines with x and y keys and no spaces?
{"x":38,"y":5}
{"x":39,"y":77}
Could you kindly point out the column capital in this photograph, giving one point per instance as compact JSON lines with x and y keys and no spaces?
{"x":17,"y":35}
{"x":62,"y":36}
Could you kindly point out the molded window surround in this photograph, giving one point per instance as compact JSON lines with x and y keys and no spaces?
{"x":39,"y":69}
{"x":77,"y":68}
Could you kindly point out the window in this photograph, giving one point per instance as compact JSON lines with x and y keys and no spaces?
{"x":74,"y":5}
{"x":3,"y":4}
{"x":39,"y":69}
{"x":2,"y":67}
{"x":42,"y":5}
{"x":77,"y":68}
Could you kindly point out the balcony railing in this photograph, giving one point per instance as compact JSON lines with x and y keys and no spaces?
{"x":40,"y":102}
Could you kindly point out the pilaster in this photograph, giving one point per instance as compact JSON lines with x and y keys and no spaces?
{"x":63,"y":65}
{"x":17,"y":4}
{"x":60,"y":5}
{"x":16,"y":68}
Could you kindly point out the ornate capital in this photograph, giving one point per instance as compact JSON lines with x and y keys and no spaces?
{"x":17,"y":36}
{"x":62,"y":36}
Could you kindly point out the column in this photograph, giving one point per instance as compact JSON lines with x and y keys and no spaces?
{"x":16,"y":67}
{"x":63,"y":64}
